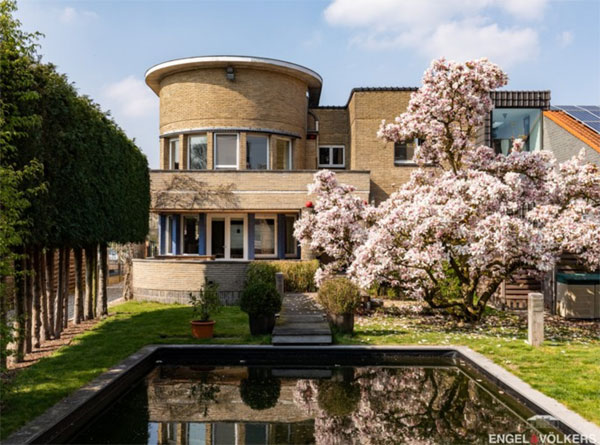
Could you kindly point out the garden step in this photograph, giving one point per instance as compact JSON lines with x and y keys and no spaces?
{"x":301,"y":322}
{"x":301,"y":340}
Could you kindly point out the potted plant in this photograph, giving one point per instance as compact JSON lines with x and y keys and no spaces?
{"x":261,"y":301}
{"x":340,"y":298}
{"x":204,"y":303}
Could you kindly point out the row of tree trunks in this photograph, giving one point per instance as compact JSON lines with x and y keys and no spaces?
{"x":42,"y":305}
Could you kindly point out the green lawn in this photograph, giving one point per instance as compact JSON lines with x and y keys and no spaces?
{"x":133,"y":326}
{"x":566,"y":367}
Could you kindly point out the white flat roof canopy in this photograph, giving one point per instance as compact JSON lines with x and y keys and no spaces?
{"x":155,"y":74}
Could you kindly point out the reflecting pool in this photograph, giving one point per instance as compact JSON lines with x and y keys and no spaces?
{"x":328,"y":405}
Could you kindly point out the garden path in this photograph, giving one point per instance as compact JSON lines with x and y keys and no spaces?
{"x":301,"y":322}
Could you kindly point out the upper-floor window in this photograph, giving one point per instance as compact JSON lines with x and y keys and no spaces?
{"x":197,"y":152}
{"x":226,"y":151}
{"x":509,"y":124}
{"x":404,"y":152}
{"x":257,"y":152}
{"x":174,"y":154}
{"x":333,"y":156}
{"x":283,"y":153}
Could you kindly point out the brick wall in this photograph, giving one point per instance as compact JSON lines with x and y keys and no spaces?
{"x":564,"y":145}
{"x":366,"y":110}
{"x":240,"y":190}
{"x":170,"y":281}
{"x":334,"y":129}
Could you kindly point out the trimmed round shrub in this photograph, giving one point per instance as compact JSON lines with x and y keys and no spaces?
{"x":260,"y":298}
{"x":339,"y":295}
{"x":261,"y":271}
{"x":338,"y":398}
{"x":260,"y":392}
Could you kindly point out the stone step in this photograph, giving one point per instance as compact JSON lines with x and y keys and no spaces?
{"x":301,"y":339}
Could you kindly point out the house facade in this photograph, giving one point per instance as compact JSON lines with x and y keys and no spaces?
{"x":240,"y":140}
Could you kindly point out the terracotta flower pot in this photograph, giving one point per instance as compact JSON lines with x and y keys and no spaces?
{"x":261,"y":324}
{"x":202,"y":329}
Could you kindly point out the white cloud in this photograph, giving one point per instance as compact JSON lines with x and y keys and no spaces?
{"x":72,"y":15}
{"x":131,"y":97}
{"x":564,"y":39}
{"x":458,"y":29}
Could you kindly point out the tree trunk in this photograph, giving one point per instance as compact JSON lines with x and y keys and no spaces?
{"x":50,"y":288}
{"x":20,"y":305}
{"x":128,"y":281}
{"x":37,"y":298}
{"x":95,"y":280}
{"x":4,"y":322}
{"x":78,"y":315}
{"x":102,"y":279}
{"x":58,"y":301}
{"x":44,"y":297}
{"x":66,"y":288}
{"x":28,"y":300}
{"x":89,"y":283}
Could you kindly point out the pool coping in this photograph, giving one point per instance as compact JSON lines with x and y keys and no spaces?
{"x":67,"y":411}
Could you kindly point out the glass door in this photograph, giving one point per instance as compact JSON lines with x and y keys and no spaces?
{"x":218,"y":237}
{"x":236,"y":236}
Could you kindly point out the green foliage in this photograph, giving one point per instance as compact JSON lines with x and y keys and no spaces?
{"x":260,"y":297}
{"x":205,"y":302}
{"x":339,"y":295}
{"x":261,"y":271}
{"x":260,"y":390}
{"x":298,"y":276}
{"x":338,"y":398}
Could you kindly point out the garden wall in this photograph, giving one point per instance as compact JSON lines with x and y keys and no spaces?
{"x":170,"y":281}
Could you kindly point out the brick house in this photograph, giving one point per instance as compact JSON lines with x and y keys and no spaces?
{"x":240,"y":139}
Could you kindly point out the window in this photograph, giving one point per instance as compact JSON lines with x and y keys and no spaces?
{"x":190,"y":234}
{"x":174,"y":154}
{"x":197,"y":152}
{"x":404,"y":152}
{"x":332,"y":156}
{"x":264,"y":236}
{"x":511,"y":123}
{"x":283,"y":152}
{"x":169,"y":235}
{"x":291,"y":244}
{"x":257,"y":153}
{"x":226,"y":151}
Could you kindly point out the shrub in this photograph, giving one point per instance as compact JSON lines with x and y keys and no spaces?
{"x":338,"y":398}
{"x":260,"y":390}
{"x":298,"y":276}
{"x":205,"y":302}
{"x":261,"y":271}
{"x":339,"y":295}
{"x":260,"y":298}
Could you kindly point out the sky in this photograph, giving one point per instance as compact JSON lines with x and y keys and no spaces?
{"x":105,"y":47}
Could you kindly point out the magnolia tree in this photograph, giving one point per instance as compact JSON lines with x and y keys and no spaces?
{"x":468,"y":218}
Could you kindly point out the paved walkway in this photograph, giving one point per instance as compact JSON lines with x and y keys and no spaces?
{"x":301,"y":322}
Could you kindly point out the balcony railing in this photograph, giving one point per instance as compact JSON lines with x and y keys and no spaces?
{"x":241,"y":189}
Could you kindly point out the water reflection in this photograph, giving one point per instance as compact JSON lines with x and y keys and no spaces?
{"x":365,"y":405}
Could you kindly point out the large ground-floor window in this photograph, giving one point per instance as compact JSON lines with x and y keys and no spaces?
{"x":239,"y":236}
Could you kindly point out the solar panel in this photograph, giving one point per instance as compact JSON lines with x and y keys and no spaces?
{"x":586,"y":114}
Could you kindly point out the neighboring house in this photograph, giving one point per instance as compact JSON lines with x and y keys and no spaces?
{"x":569,"y":128}
{"x":240,"y":140}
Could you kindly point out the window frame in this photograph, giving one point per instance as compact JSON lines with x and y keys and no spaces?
{"x":268,"y":150}
{"x":227,"y":217}
{"x":189,"y":150}
{"x":289,"y":141}
{"x":275,"y":246}
{"x":331,"y":164}
{"x":183,"y":216}
{"x":173,"y":162}
{"x":237,"y":152}
{"x":400,"y":163}
{"x":295,"y":254}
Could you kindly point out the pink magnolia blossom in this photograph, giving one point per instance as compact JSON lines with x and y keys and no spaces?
{"x":468,"y":218}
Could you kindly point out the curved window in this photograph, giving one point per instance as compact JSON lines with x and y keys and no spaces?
{"x":226,"y":151}
{"x":197,"y":152}
{"x":257,"y":152}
